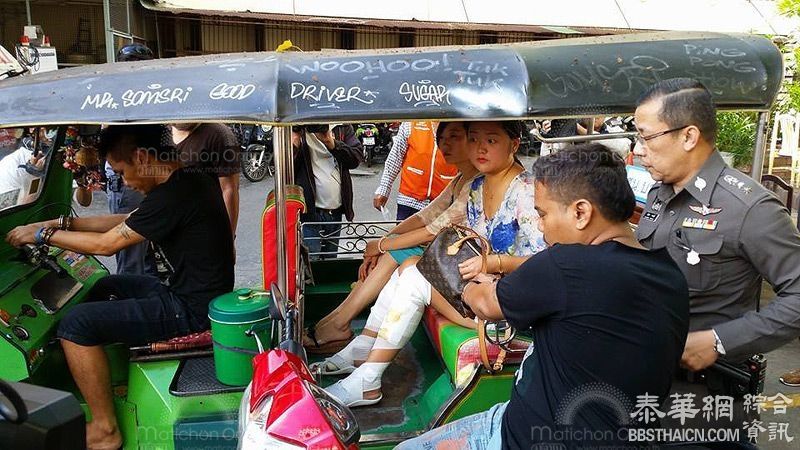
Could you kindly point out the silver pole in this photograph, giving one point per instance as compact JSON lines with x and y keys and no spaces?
{"x":282,"y":146}
{"x":107,"y":30}
{"x":28,"y":11}
{"x":582,"y":138}
{"x":760,"y":147}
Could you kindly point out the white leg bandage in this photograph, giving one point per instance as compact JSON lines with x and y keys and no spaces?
{"x":412,"y":295}
{"x":356,"y":350}
{"x":381,"y":306}
{"x":350,"y":390}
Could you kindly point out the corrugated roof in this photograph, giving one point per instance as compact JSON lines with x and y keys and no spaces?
{"x":563,"y":16}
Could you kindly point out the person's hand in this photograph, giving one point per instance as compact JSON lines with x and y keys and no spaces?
{"x":699,"y":352}
{"x":372,"y":248}
{"x":38,"y":161}
{"x":378,"y":201}
{"x":366,"y":267}
{"x":470,"y":268}
{"x":484,"y":278}
{"x":21,"y":235}
{"x":295,"y":139}
{"x":546,"y":126}
{"x":327,"y":139}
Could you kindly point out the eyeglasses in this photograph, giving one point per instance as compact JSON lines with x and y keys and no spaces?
{"x":642,"y":140}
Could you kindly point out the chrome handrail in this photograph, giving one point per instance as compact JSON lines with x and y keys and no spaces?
{"x":582,"y":138}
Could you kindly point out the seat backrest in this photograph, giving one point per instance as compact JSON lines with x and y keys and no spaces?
{"x":295,"y":205}
{"x":782,"y":189}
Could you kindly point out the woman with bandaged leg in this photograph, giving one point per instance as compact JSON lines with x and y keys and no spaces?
{"x":500,"y":208}
{"x":382,"y":257}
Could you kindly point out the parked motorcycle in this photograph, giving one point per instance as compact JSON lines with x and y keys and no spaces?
{"x":376,"y":139}
{"x":367,"y":133}
{"x":284,"y":407}
{"x":257,"y":157}
{"x":386,"y":134}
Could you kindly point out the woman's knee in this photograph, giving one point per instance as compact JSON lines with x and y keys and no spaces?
{"x":409,"y":262}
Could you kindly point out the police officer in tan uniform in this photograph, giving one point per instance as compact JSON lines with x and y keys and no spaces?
{"x":723,"y":229}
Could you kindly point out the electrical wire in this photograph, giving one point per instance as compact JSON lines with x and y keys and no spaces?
{"x":30,"y":60}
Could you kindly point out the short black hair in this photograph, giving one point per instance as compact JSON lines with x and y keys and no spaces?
{"x":121,"y":141}
{"x":513,"y":128}
{"x":685,"y":101}
{"x":590,"y":171}
{"x":443,"y":125}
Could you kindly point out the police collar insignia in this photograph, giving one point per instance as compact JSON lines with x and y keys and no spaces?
{"x":657,"y":205}
{"x":700,"y":184}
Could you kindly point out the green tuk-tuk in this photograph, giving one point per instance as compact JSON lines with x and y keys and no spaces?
{"x":172,"y":399}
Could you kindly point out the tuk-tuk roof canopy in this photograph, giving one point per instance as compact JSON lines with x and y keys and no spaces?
{"x":559,"y":78}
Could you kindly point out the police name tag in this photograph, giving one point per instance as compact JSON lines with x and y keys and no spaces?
{"x":641,"y":182}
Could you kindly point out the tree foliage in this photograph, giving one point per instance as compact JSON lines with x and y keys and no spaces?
{"x":789,"y":8}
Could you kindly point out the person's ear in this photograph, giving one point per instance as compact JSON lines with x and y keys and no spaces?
{"x":583,"y":210}
{"x":515,"y":145}
{"x":690,"y":137}
{"x":140,"y":155}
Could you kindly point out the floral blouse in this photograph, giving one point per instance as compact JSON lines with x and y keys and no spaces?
{"x":514,"y":228}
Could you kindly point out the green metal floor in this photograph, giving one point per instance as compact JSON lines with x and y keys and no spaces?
{"x":409,"y":386}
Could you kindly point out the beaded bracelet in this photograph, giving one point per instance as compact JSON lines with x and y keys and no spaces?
{"x":47,"y":234}
{"x":380,"y":241}
{"x":64,"y":222}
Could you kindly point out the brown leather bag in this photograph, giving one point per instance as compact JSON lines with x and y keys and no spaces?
{"x":439,"y":263}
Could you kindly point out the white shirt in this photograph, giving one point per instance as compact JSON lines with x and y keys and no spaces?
{"x":12,"y":176}
{"x":326,"y":174}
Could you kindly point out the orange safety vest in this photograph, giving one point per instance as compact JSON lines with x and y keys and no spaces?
{"x":425,"y":173}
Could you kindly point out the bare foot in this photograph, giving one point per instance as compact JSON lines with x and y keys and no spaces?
{"x":102,"y":437}
{"x":372,"y":395}
{"x":328,"y":332}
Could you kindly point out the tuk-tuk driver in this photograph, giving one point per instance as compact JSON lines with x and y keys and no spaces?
{"x":180,"y":210}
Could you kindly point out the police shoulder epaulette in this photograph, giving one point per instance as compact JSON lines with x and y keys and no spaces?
{"x":740,"y":185}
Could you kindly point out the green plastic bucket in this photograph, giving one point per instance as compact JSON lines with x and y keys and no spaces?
{"x":233,"y":317}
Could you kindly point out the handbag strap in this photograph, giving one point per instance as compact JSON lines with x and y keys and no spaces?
{"x":466,"y":234}
{"x":483,"y":343}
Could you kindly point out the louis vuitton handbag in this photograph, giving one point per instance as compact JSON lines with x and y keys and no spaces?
{"x":439,"y":263}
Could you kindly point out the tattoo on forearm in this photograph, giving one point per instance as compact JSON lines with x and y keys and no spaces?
{"x":124,"y":231}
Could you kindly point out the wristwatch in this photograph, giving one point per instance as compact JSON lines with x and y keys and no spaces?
{"x":718,"y":344}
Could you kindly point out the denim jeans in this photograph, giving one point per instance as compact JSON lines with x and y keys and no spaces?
{"x":404,"y":212}
{"x":476,"y":432}
{"x":329,"y":233}
{"x":134,"y":310}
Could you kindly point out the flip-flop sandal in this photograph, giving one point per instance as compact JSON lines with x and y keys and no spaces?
{"x":350,"y":399}
{"x":791,"y":378}
{"x":333,"y":365}
{"x":326,"y":348}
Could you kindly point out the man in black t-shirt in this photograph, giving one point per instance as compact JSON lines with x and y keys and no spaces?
{"x":180,"y":210}
{"x":609,"y":318}
{"x":212,"y":148}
